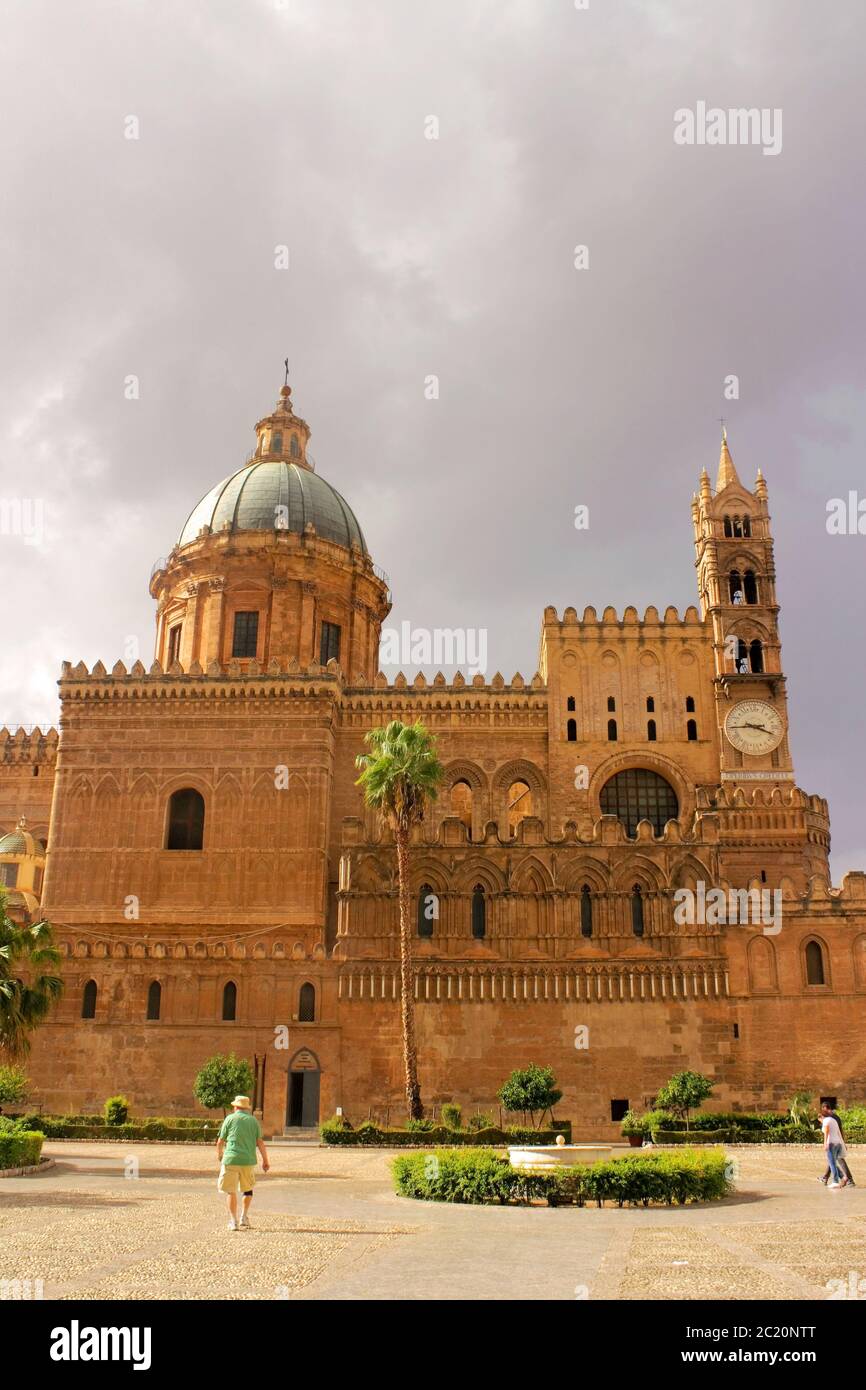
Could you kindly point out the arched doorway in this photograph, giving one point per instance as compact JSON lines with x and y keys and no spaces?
{"x":302,"y":1093}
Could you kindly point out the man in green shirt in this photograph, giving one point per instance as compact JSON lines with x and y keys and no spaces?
{"x":239,"y":1138}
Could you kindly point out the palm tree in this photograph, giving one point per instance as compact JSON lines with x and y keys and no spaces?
{"x":400,"y":775}
{"x":25,"y":1003}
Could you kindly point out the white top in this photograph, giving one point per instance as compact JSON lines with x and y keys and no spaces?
{"x":832,"y":1132}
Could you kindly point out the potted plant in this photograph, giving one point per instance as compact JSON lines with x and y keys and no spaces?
{"x":634,"y":1127}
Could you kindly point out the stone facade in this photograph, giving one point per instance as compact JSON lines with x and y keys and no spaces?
{"x":545,"y":905}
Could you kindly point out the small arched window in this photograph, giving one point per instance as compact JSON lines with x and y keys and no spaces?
{"x":750,"y":587}
{"x":756,"y":655}
{"x":569,"y":704}
{"x":611,"y":731}
{"x":461,"y":802}
{"x":738,"y":528}
{"x":690,"y":704}
{"x":741,"y":661}
{"x":692,"y":730}
{"x":586,"y":910}
{"x":307,"y":1004}
{"x":276,"y":443}
{"x":293,"y":448}
{"x":154,"y":1000}
{"x":814,"y":964}
{"x":519,"y":805}
{"x":637,"y":910}
{"x":479,"y":912}
{"x":735,"y":586}
{"x":650,"y":705}
{"x":88,"y":1000}
{"x":230,"y":1002}
{"x":185,"y":820}
{"x":728,"y":529}
{"x":747,"y":526}
{"x":651,"y":730}
{"x":611,"y":703}
{"x":571,"y":731}
{"x":428,"y":910}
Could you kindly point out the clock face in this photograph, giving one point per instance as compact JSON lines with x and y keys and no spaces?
{"x":755,"y":727}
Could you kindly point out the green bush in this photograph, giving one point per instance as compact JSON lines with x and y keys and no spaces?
{"x":451,"y":1116}
{"x":479,"y":1176}
{"x":221,"y":1079}
{"x":530,"y":1091}
{"x":202,"y":1131}
{"x":13,"y":1084}
{"x":20,"y":1149}
{"x":116,"y":1110}
{"x":634,"y":1123}
{"x":420,"y":1126}
{"x":480,"y":1122}
{"x":691,"y":1136}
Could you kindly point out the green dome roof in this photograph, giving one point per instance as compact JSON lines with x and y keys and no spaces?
{"x":20,"y":841}
{"x":248,"y":501}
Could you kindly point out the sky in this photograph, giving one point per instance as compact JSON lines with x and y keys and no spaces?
{"x":431,"y":170}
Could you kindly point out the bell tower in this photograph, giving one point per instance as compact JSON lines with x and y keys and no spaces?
{"x":737,"y":588}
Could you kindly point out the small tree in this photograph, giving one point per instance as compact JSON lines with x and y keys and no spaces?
{"x":800,"y":1107}
{"x":13,"y":1085}
{"x":221,"y":1079}
{"x":684,"y":1092}
{"x":25,"y":1003}
{"x":532,"y":1091}
{"x":116,"y":1110}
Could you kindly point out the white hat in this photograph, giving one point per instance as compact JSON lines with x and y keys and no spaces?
{"x":241,"y":1103}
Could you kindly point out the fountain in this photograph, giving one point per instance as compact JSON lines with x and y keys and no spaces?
{"x":542,"y":1158}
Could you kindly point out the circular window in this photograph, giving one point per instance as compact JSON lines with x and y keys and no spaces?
{"x":638,"y":794}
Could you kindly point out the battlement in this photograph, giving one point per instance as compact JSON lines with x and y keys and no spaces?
{"x":28,"y":744}
{"x":630,"y":618}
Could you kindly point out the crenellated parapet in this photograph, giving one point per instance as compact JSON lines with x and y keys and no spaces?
{"x":28,"y":745}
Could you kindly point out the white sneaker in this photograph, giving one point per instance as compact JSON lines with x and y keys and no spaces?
{"x":832,"y":1186}
{"x":233,"y":1225}
{"x":244,"y":1223}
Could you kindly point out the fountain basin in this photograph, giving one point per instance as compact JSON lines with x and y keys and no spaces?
{"x":543,"y":1158}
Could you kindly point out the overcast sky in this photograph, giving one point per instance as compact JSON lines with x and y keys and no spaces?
{"x":263,"y":124}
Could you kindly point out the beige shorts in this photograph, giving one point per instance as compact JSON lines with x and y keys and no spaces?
{"x":235,"y":1178}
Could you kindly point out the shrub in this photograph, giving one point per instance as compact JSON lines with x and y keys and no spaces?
{"x":691,"y":1136}
{"x":480,"y":1122}
{"x":13,"y":1084}
{"x":451,"y":1116}
{"x":116,"y":1110}
{"x":221,"y":1079}
{"x":633,"y":1123}
{"x":20,"y":1149}
{"x":479,"y":1176}
{"x":420,"y":1126}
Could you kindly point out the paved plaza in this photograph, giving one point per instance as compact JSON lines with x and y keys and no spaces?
{"x":327,"y":1225}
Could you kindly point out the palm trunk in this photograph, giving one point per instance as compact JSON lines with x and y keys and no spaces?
{"x":407,"y":981}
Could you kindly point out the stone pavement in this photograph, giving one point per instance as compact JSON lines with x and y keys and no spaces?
{"x":327,"y":1225}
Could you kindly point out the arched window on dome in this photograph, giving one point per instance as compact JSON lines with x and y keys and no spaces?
{"x":329,"y":645}
{"x":294,"y":448}
{"x":638,"y":794}
{"x":276,"y":442}
{"x":173,"y":653}
{"x":185,"y":820}
{"x":245,"y":636}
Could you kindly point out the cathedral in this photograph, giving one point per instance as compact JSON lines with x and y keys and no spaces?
{"x":620,"y":879}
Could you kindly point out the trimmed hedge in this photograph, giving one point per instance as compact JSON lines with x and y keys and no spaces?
{"x":201,"y":1132}
{"x":20,"y":1149}
{"x":478,"y":1176}
{"x":690,"y":1136}
{"x":338,"y":1131}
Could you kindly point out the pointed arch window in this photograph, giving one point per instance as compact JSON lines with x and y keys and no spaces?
{"x":651,"y":730}
{"x":154,"y":1001}
{"x":571,"y":731}
{"x":479,"y":912}
{"x":815,"y":974}
{"x":230,"y":1002}
{"x":586,"y":910}
{"x":690,"y":704}
{"x":750,"y":587}
{"x":735,"y":586}
{"x":637,"y":918}
{"x":428,"y":910}
{"x":611,"y":704}
{"x":738,"y":526}
{"x":518,"y":805}
{"x":756,"y":655}
{"x":185,"y":819}
{"x":747,"y":526}
{"x":307,"y":1004}
{"x":611,"y":731}
{"x":569,"y":704}
{"x":728,"y":528}
{"x":88,"y":1000}
{"x":692,"y":730}
{"x":650,"y":705}
{"x":638,"y":794}
{"x":461,"y":802}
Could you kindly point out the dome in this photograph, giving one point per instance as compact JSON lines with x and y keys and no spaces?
{"x":249,"y":499}
{"x":20,"y":841}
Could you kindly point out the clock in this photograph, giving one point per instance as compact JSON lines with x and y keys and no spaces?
{"x":755,"y":727}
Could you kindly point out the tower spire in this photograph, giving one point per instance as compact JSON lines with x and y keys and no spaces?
{"x":727,"y":472}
